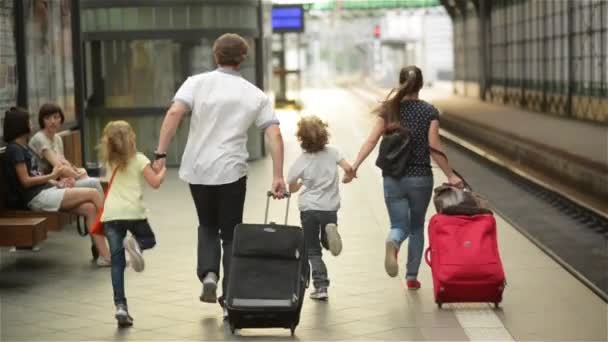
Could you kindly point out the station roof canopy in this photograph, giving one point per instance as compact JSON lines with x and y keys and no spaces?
{"x":361,"y":4}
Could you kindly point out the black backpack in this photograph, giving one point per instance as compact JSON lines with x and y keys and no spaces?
{"x":394,"y":153}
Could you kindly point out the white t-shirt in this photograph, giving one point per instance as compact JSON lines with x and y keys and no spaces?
{"x":224,"y":105}
{"x":40,"y":142}
{"x":319,"y":173}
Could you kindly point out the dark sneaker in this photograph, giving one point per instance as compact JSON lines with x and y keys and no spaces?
{"x":209,"y":294}
{"x":122,"y":316}
{"x":319,"y":294}
{"x":390,"y":259}
{"x":333,"y":239}
{"x":135,"y":256}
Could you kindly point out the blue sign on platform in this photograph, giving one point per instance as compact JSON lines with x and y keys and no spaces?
{"x":288,"y":18}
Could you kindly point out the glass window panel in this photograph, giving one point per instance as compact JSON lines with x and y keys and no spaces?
{"x":163,"y":18}
{"x":180,"y":17}
{"x":8,"y":60}
{"x":130,"y":18}
{"x":145,"y":17}
{"x":102,"y":19}
{"x":115,"y":16}
{"x":49,"y":58}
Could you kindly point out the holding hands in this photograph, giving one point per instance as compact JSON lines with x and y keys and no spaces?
{"x":349,"y":174}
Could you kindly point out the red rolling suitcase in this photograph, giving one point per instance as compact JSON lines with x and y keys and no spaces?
{"x":464,"y":259}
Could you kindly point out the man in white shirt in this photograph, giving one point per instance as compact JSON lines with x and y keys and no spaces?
{"x":224,"y":105}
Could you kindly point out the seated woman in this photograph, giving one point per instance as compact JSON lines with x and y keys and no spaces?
{"x":49,"y":148}
{"x":38,"y":192}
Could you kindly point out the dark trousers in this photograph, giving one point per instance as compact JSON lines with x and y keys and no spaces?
{"x":313,"y":223}
{"x":219,"y":209}
{"x":115,"y":233}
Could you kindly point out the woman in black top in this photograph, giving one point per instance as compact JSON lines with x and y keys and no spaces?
{"x":28,"y":188}
{"x":407,"y":197}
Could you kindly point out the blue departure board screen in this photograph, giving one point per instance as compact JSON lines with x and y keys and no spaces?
{"x":288,"y":18}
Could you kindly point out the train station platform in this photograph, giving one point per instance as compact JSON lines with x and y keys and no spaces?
{"x":57,"y":295}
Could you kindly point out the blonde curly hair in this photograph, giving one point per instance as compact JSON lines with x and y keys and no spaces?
{"x":117,"y":144}
{"x":312,"y":134}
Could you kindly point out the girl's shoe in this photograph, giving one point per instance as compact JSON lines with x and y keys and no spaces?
{"x":390,"y":259}
{"x":122,"y":316}
{"x":134,"y":252}
{"x":412,"y":284}
{"x":333,"y":239}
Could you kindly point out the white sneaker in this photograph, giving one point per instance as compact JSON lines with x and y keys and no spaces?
{"x":319,"y":294}
{"x":390,"y":259}
{"x":333,"y":239}
{"x":209,"y":294}
{"x":134,"y":252}
{"x":103,"y":262}
{"x":122,"y":316}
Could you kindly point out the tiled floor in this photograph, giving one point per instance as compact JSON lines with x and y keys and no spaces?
{"x":57,"y":295}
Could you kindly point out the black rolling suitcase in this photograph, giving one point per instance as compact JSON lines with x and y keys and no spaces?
{"x":268,"y":275}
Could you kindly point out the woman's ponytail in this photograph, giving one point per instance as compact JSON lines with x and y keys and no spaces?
{"x":410,"y":82}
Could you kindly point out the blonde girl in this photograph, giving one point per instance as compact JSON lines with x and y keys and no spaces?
{"x":123,"y":209}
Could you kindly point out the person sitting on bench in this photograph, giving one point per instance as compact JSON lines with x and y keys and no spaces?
{"x":49,"y":147}
{"x":30,"y":189}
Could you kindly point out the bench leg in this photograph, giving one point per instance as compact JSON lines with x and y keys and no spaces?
{"x":82,"y":228}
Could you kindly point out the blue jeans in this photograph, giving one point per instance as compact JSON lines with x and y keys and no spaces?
{"x":115,"y":232}
{"x":407,"y":200}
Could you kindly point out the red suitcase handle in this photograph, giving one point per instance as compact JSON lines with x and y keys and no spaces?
{"x":427,"y":256}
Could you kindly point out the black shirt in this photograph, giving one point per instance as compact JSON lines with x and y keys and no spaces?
{"x":417,"y":115}
{"x":19,"y":196}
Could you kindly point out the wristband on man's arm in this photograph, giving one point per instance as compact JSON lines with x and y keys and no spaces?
{"x":158,"y":155}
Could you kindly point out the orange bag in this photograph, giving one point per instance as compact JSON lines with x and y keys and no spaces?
{"x":97,"y":227}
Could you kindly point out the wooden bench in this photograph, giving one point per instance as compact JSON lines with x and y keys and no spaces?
{"x":22,"y":231}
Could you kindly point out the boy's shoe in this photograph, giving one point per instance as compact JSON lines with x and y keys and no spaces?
{"x":209,"y":288}
{"x":412,"y":284}
{"x":136,"y":258}
{"x":333,"y":239}
{"x":122,"y":316}
{"x":390,"y":259}
{"x":103,"y":262}
{"x":319,"y":294}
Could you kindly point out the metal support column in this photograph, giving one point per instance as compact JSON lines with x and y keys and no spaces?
{"x":571,"y":75}
{"x":484,"y":24}
{"x":21,"y":54}
{"x":78,"y":71}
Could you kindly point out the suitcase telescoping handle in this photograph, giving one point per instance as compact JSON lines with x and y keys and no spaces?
{"x":268,"y":195}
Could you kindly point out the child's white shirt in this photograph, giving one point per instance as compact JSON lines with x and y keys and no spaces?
{"x":319,"y":173}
